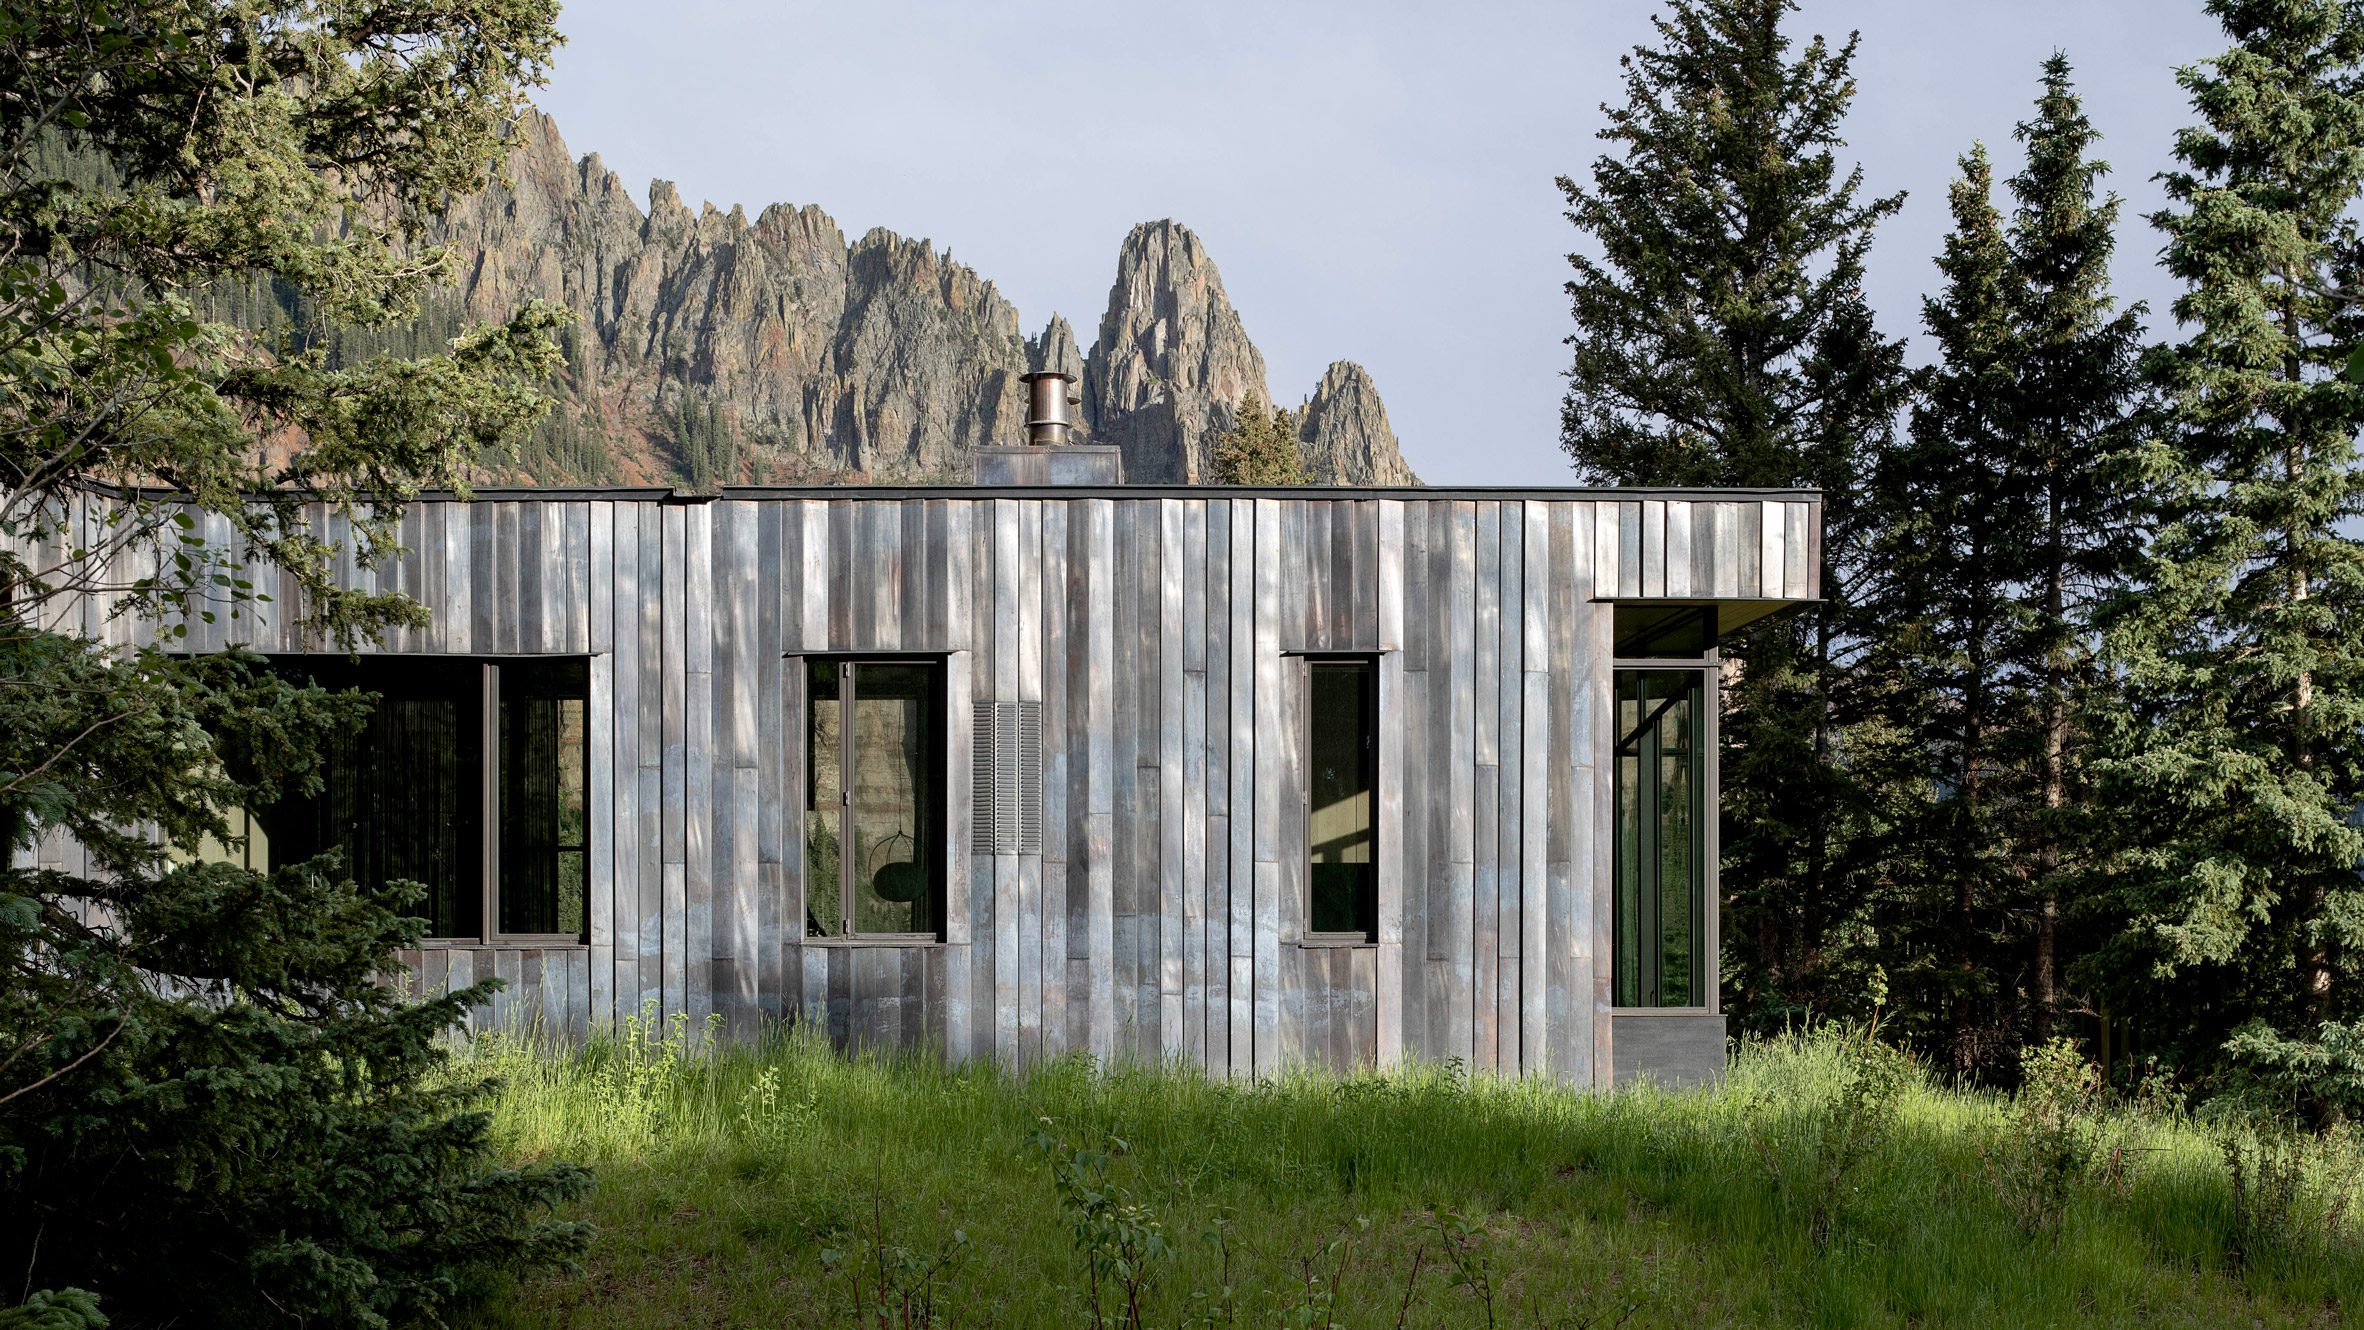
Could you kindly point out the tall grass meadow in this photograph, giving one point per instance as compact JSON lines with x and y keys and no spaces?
{"x":1829,"y":1182}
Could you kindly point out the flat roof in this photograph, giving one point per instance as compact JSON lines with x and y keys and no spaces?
{"x":1408,"y":493}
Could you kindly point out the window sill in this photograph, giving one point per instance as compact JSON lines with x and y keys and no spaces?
{"x":1348,"y":940}
{"x":850,"y":943}
{"x":1665,"y":1011}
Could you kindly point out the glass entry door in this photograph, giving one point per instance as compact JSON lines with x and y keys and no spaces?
{"x":1661,"y":906}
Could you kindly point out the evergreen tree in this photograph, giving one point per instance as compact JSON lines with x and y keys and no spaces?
{"x":2009,"y":515}
{"x":2238,"y":765}
{"x":1944,"y":601}
{"x":213,"y":1108}
{"x":1260,"y":448}
{"x":1723,"y":339}
{"x":2077,"y":409}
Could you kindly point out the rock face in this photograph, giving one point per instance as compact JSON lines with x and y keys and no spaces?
{"x":1345,"y":432}
{"x":715,"y":349}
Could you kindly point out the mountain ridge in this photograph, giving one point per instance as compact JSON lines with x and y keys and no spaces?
{"x":711,"y":347}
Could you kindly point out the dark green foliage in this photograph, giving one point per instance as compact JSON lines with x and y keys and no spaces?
{"x":1260,"y":448}
{"x":706,"y":440}
{"x":2236,"y":765}
{"x":1723,"y":339}
{"x":2005,"y":516}
{"x":212,"y":1110}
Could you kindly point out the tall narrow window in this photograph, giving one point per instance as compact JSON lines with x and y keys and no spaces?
{"x":1342,"y":788}
{"x":408,"y":797}
{"x":874,"y":842}
{"x":1661,"y":906}
{"x":545,"y":826}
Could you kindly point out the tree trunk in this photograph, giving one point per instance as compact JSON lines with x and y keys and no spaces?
{"x":2055,"y":764}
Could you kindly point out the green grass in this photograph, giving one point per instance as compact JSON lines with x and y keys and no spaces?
{"x":743,"y":1187}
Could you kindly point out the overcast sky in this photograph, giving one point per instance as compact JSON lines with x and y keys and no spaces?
{"x":1374,"y":180}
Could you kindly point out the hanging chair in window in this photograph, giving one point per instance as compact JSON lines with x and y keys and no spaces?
{"x":896,"y":877}
{"x":895,"y":874}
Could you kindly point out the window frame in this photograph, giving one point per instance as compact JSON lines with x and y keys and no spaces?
{"x":1709,"y":902}
{"x":1372,"y":664}
{"x":485,"y":698}
{"x":938,"y":761}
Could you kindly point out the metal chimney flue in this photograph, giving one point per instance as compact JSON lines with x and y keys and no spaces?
{"x":1047,"y":400}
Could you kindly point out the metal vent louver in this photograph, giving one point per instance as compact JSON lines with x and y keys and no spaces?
{"x":1006,"y":761}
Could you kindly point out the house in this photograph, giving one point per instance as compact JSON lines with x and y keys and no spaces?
{"x":1244,"y":777}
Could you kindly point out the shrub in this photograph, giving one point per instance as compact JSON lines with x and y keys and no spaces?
{"x":2050,"y":1137}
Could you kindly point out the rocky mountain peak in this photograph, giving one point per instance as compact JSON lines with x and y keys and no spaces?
{"x":1172,"y":363}
{"x":712,"y":348}
{"x":1344,"y":429}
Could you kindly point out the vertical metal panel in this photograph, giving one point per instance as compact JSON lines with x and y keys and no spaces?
{"x":1215,"y":728}
{"x":482,"y":565}
{"x":1629,"y":548}
{"x":1724,"y":540}
{"x":1654,"y":547}
{"x":1190,"y":663}
{"x":1510,"y":702}
{"x":1486,"y":911}
{"x":675,"y":759}
{"x":958,"y":983}
{"x":983,"y":1025}
{"x":1679,"y":549}
{"x":918,"y":560}
{"x":882,"y":574}
{"x":600,"y":791}
{"x":649,"y":800}
{"x":1387,"y":626}
{"x":1749,"y":543}
{"x":1099,"y":632}
{"x":1008,"y":599}
{"x":1774,"y":558}
{"x":1458,"y":978}
{"x":812,"y":622}
{"x":698,"y":539}
{"x":773,"y":789}
{"x":1173,"y":823}
{"x":1795,"y":546}
{"x":1270,"y":745}
{"x":1570,"y":559}
{"x":1052,"y":595}
{"x":1240,"y":800}
{"x":1026,"y":610}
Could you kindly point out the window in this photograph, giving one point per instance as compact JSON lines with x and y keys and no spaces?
{"x":874,"y":763}
{"x":1341,"y":789}
{"x":407,"y":797}
{"x":1661,"y":778}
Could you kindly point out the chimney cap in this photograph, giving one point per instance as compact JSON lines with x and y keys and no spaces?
{"x":1047,"y":401}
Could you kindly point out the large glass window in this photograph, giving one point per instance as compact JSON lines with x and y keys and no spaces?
{"x":1342,"y":789}
{"x":874,"y":753}
{"x":1661,"y":905}
{"x":407,"y":797}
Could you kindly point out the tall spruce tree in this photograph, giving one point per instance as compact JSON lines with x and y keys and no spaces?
{"x":1722,"y":338}
{"x":2008,"y":517}
{"x":2078,"y":416}
{"x":214,"y":1110}
{"x":2240,"y":757}
{"x":1946,"y":612}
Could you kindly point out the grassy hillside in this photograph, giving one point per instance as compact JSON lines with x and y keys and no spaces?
{"x":790,"y":1187}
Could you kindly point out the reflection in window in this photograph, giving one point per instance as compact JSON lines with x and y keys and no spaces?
{"x":1342,"y":702}
{"x":402,"y":796}
{"x":1661,"y":878}
{"x":545,"y":823}
{"x":874,"y":855}
{"x":405,"y":797}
